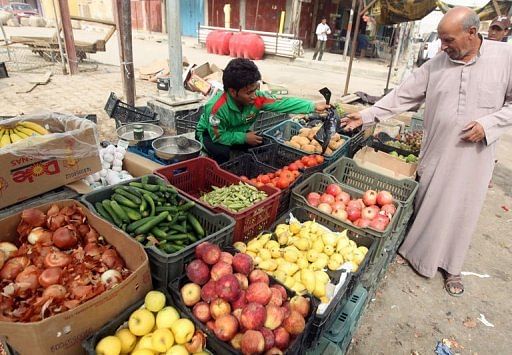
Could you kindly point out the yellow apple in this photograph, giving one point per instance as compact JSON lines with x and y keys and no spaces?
{"x":177,"y":350}
{"x":166,"y":317}
{"x":191,"y":294}
{"x":141,"y":322}
{"x":183,"y":330}
{"x":146,"y":342}
{"x":154,"y":301}
{"x":110,"y":345}
{"x":143,"y":352}
{"x":128,"y":340}
{"x":162,"y":340}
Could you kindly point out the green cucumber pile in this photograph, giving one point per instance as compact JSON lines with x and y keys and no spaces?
{"x":153,"y":214}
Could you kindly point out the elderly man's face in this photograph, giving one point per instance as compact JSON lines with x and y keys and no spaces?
{"x":455,"y":41}
{"x":496,"y":33}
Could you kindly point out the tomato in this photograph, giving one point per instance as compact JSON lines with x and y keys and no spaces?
{"x":271,"y":184}
{"x":288,"y":175}
{"x":300,"y":165}
{"x":304,"y":159}
{"x":260,"y":184}
{"x":258,"y":178}
{"x":293,"y":167}
{"x":283,"y":183}
{"x":265,"y":179}
{"x":295,"y":174}
{"x":311,"y":162}
{"x":319,"y":159}
{"x":253,"y":181}
{"x":271,"y":175}
{"x":278,"y":173}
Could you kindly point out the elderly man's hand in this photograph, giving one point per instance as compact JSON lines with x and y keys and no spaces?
{"x":473,"y":132}
{"x":352,"y":121}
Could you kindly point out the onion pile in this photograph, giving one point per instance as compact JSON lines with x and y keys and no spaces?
{"x":60,"y":263}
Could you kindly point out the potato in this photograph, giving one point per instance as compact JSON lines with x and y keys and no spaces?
{"x":333,"y":144}
{"x":308,"y":148}
{"x":336,"y":137}
{"x":295,"y":139}
{"x":328,"y":152}
{"x":292,"y":144}
{"x":315,"y":143}
{"x":304,"y":132}
{"x":313,"y":132}
{"x":301,"y":140}
{"x":318,"y":149}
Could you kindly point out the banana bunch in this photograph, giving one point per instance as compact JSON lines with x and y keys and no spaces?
{"x":299,"y":254}
{"x":21,"y":130}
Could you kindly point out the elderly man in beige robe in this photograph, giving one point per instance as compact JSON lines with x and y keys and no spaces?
{"x":467,"y":89}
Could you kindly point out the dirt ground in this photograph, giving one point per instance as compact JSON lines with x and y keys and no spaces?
{"x":409,"y":314}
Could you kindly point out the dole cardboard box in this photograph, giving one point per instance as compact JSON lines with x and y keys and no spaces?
{"x":41,"y":163}
{"x":63,"y":333}
{"x":385,"y":164}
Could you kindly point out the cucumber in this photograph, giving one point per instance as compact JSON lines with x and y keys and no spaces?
{"x":158,"y":233}
{"x":147,"y":187}
{"x":132,"y":213}
{"x":103,"y":213}
{"x":153,"y":222}
{"x":167,"y":208}
{"x":187,"y":206}
{"x":178,"y":228}
{"x":124,"y":201}
{"x":106,"y":205}
{"x":151,"y":204}
{"x":119,"y":211}
{"x":133,"y":226}
{"x":142,"y":192}
{"x":198,"y":229}
{"x":131,"y":197}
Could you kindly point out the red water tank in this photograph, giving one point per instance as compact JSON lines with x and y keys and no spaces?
{"x":246,"y":45}
{"x":217,"y":42}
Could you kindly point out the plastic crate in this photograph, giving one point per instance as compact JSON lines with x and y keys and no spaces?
{"x":324,"y":347}
{"x":126,"y":114}
{"x":375,"y":143}
{"x":347,"y":172}
{"x":343,"y":328}
{"x":195,"y":177}
{"x":374,"y":273}
{"x":218,"y":346}
{"x":166,"y":267}
{"x":188,"y":122}
{"x":287,"y":129}
{"x":359,"y":140}
{"x":417,"y":122}
{"x":321,"y":322}
{"x":318,"y":183}
{"x":267,"y":119}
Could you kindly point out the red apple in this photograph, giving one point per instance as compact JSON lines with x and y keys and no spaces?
{"x":343,"y":197}
{"x":238,"y":315}
{"x":277,"y":298}
{"x":274,"y":351}
{"x":198,"y":272}
{"x":210,"y":254}
{"x":242,"y":280}
{"x":286,"y":309}
{"x":282,"y":290}
{"x":236,"y":342}
{"x":202,"y":311}
{"x":258,"y":292}
{"x":219,"y":308}
{"x":268,"y":335}
{"x":226,"y":257}
{"x":200,"y":249}
{"x":258,"y":276}
{"x":370,"y":197}
{"x":384,"y":198}
{"x":191,"y":294}
{"x":211,"y":325}
{"x":228,"y":287}
{"x":253,"y":316}
{"x":220,"y":269}
{"x":333,"y":190}
{"x":242,"y":263}
{"x":389,"y":208}
{"x":294,"y":323}
{"x":313,"y":199}
{"x":282,"y":338}
{"x":368,"y":213}
{"x":208,"y":292}
{"x":353,"y":214}
{"x":240,"y":302}
{"x":300,"y":304}
{"x":226,"y":327}
{"x":252,"y":343}
{"x":274,"y":317}
{"x":326,"y":198}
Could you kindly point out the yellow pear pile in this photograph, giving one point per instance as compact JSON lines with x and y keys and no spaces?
{"x":300,"y":254}
{"x":154,"y":329}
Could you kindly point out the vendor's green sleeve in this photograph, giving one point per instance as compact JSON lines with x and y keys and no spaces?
{"x":285,"y":104}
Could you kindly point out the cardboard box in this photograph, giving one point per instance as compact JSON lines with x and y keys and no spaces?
{"x":385,"y":164}
{"x":62,"y":334}
{"x":207,"y":71}
{"x":40,"y":164}
{"x":135,"y":164}
{"x":196,"y":83}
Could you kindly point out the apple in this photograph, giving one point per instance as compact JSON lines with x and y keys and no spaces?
{"x":276,"y":299}
{"x":240,"y":302}
{"x":141,"y":322}
{"x":228,"y":287}
{"x":370,"y":197}
{"x":162,"y":340}
{"x":253,"y":316}
{"x":154,"y":301}
{"x":281,"y":338}
{"x":226,"y":257}
{"x":258,"y":276}
{"x":183,"y":330}
{"x":274,"y":351}
{"x":174,"y":350}
{"x":333,"y":189}
{"x":268,"y":335}
{"x":252,"y":342}
{"x":202,"y":311}
{"x":198,"y":272}
{"x":300,"y":304}
{"x":200,"y":249}
{"x":342,"y":215}
{"x":389,"y":208}
{"x":282,"y":290}
{"x":343,"y":197}
{"x":294,"y":323}
{"x":286,"y":309}
{"x":208,"y":292}
{"x":237,"y":313}
{"x":219,"y":308}
{"x":144,"y":344}
{"x":220,"y":269}
{"x":109,"y":345}
{"x":258,"y":292}
{"x":384,"y":198}
{"x":353,"y":213}
{"x":128,"y":340}
{"x":210,"y":254}
{"x":211,"y":325}
{"x":226,"y":327}
{"x":236,"y":342}
{"x":274,"y":317}
{"x":166,"y":317}
{"x":242,"y":263}
{"x":368,"y":213}
{"x":313,"y":199}
{"x":242,"y":280}
{"x":191,"y":294}
{"x":326,"y":198}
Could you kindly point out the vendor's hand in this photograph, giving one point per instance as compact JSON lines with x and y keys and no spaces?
{"x":321,"y":107}
{"x":351,"y":121}
{"x":473,"y":132}
{"x":253,"y":139}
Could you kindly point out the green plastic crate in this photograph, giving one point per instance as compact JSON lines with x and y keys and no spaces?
{"x":324,"y":347}
{"x":371,"y":278}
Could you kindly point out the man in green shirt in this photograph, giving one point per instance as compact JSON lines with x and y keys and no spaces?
{"x":229,"y":116}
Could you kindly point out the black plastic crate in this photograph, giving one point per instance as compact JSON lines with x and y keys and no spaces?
{"x":166,"y":267}
{"x":126,"y":114}
{"x":186,"y":121}
{"x":379,"y":143}
{"x":322,"y":322}
{"x":359,"y":139}
{"x":267,"y":119}
{"x":217,"y":346}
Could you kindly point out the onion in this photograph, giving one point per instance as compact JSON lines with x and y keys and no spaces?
{"x":83,"y":229}
{"x":8,"y":248}
{"x":65,"y":237}
{"x":91,"y":236}
{"x":56,"y":222}
{"x":13,"y":267}
{"x":57,"y":259}
{"x":92,"y":249}
{"x":3,"y":258}
{"x":57,"y":292}
{"x":111,"y":259}
{"x":27,"y":279}
{"x":50,"y":276}
{"x":53,"y":211}
{"x":35,"y":234}
{"x":111,"y":278}
{"x":33,"y":217}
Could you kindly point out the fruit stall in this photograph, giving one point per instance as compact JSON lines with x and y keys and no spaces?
{"x":147,"y":246}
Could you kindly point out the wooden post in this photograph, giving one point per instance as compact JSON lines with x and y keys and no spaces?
{"x":122,"y":16}
{"x":68,"y":37}
{"x":496,"y":7}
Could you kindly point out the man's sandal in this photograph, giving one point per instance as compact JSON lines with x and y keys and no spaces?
{"x":453,"y":285}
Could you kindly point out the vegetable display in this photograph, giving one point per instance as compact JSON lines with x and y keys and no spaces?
{"x":235,"y":197}
{"x":61,"y":262}
{"x":20,"y":131}
{"x":153,"y":214}
{"x":408,"y":141}
{"x":306,"y":142}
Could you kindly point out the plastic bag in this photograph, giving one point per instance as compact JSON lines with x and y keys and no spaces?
{"x":329,"y":127}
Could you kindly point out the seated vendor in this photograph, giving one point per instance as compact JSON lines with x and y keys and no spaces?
{"x":229,"y":116}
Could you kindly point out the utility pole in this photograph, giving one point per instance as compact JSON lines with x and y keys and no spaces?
{"x":176,"y":89}
{"x":349,"y":29}
{"x":68,"y":37}
{"x":123,"y":19}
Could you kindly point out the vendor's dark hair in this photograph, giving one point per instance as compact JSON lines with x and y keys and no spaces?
{"x":239,"y":73}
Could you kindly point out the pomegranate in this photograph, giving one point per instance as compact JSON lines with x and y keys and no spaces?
{"x":313,"y":199}
{"x":354,"y":204}
{"x":337,"y":205}
{"x":384,"y":198}
{"x":389,"y":209}
{"x":343,"y":197}
{"x":353,"y":213}
{"x":326,"y":198}
{"x":325,"y":207}
{"x":368,"y":213}
{"x":333,"y":190}
{"x":370,"y":197}
{"x":380,"y":222}
{"x":340,"y":214}
{"x":362,"y":223}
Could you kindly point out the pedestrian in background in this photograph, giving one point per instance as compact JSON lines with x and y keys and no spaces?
{"x":322,"y":30}
{"x":499,"y":28}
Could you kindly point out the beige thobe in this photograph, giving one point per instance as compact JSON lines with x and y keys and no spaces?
{"x":454,"y":174}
